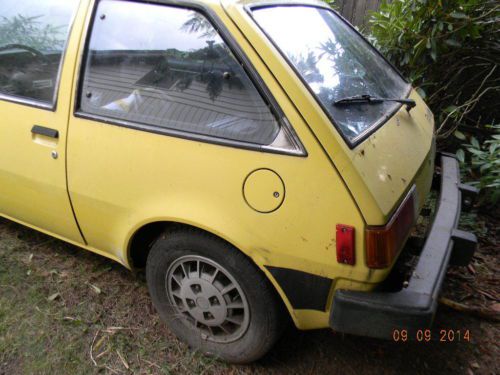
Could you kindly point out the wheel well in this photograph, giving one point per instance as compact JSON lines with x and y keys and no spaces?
{"x":143,"y":239}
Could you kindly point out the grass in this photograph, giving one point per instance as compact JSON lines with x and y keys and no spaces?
{"x":66,"y":311}
{"x":55,"y":308}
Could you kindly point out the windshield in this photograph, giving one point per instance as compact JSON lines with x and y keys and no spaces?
{"x":336,"y":63}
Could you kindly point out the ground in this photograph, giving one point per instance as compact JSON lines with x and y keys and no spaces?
{"x":66,"y":311}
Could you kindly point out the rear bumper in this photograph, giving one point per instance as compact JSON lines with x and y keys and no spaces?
{"x":378,"y":314}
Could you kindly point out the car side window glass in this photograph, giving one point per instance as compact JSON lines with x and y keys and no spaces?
{"x":33,"y":36}
{"x":167,"y":67}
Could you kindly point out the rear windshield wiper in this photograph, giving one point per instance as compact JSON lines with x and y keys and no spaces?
{"x":360,"y":99}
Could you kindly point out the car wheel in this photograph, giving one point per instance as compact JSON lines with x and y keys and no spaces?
{"x":213,"y":297}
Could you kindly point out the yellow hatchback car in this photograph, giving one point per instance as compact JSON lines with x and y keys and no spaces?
{"x":260,"y":159}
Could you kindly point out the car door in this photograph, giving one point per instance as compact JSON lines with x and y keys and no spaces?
{"x":35,"y":89}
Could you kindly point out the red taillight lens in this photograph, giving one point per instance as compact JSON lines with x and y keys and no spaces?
{"x":384,"y":243}
{"x":345,"y":244}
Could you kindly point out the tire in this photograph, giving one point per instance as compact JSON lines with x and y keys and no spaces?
{"x":233,"y":314}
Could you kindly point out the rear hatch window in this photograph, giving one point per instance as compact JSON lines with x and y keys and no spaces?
{"x":335,"y":62}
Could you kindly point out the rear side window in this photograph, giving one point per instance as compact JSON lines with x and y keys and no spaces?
{"x":33,"y":36}
{"x":167,"y":67}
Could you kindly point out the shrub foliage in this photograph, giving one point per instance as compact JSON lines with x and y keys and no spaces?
{"x":450,"y":50}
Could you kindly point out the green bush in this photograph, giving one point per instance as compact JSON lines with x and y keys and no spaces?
{"x":450,"y":51}
{"x":484,"y":164}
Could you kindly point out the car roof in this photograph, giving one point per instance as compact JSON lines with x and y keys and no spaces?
{"x":242,"y":3}
{"x":248,"y":2}
{"x":274,"y":2}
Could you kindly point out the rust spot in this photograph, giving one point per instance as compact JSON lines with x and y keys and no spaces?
{"x":303,"y":239}
{"x":331,"y":244}
{"x":404,"y":181}
{"x":362,"y":152}
{"x":389,"y":177}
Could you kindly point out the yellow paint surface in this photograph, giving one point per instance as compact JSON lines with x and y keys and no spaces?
{"x":121,"y":179}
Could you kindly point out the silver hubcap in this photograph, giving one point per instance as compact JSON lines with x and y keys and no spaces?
{"x":208,"y":297}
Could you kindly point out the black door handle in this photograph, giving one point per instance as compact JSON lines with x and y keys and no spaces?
{"x":47,"y":132}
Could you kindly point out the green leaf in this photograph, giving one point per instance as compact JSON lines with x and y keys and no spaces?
{"x":453,"y":43}
{"x":451,"y":108}
{"x":458,"y":15}
{"x":459,"y":135}
{"x":474,"y":142}
{"x":461,"y":156}
{"x":433,"y":55}
{"x":475,"y":152}
{"x":415,"y":47}
{"x":484,"y":167}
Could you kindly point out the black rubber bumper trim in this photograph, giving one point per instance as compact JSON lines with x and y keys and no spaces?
{"x":303,"y":290}
{"x":378,"y":314}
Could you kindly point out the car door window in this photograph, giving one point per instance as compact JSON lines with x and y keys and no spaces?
{"x":33,"y":36}
{"x":168,"y":68}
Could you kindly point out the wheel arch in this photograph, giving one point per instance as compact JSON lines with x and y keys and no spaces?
{"x":143,"y":236}
{"x":142,"y":239}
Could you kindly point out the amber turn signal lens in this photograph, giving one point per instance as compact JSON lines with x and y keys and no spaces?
{"x":383,"y":243}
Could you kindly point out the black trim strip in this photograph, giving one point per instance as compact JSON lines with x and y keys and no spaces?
{"x":303,"y":290}
{"x":47,"y":132}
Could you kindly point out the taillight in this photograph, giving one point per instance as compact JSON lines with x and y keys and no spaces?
{"x":345,"y":244}
{"x":384,"y":243}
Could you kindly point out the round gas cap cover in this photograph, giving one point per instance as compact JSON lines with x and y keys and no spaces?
{"x":264,"y":190}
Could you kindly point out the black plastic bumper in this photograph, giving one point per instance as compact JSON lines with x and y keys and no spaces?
{"x":378,"y":314}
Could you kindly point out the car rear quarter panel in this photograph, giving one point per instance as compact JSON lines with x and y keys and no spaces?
{"x":381,"y":169}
